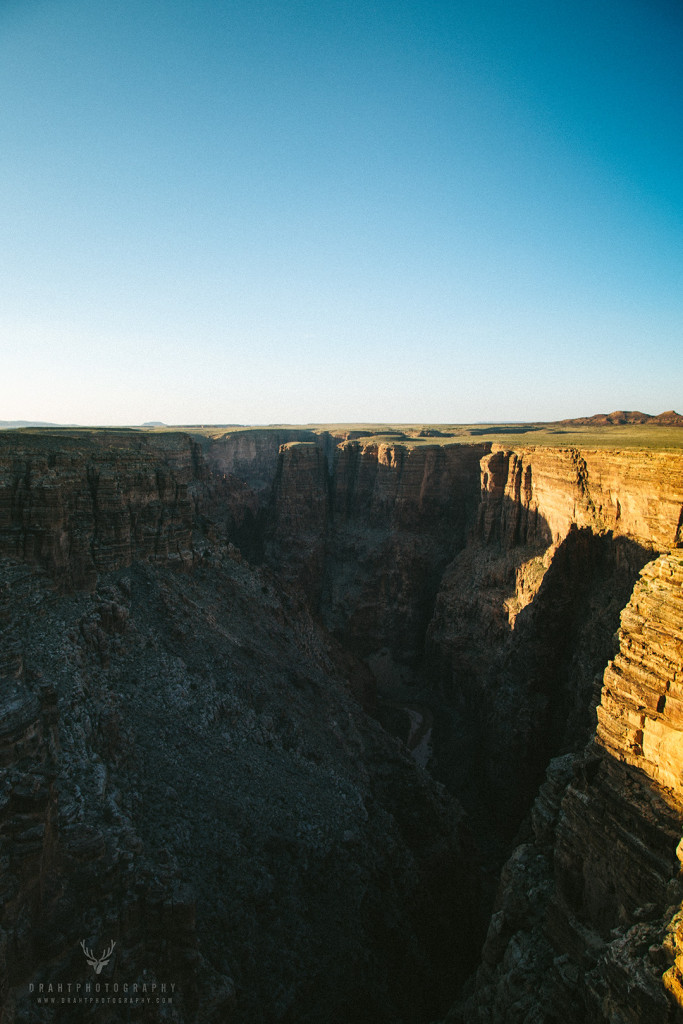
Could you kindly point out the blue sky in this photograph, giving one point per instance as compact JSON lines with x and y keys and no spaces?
{"x":334,"y":211}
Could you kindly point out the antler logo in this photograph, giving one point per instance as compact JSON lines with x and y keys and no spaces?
{"x":98,"y":963}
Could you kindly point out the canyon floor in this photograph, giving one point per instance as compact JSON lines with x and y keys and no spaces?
{"x":342,"y":724}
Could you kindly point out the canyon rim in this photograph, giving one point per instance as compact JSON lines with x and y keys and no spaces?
{"x":342,"y":724}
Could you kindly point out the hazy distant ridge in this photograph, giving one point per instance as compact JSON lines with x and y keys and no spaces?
{"x":12,"y":424}
{"x":620,"y":417}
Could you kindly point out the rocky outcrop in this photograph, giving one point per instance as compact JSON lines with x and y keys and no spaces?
{"x":69,"y":870}
{"x":640,"y":718}
{"x":253,"y":455}
{"x":28,"y":798}
{"x":370,"y":532}
{"x":525,"y":614}
{"x":199,"y":786}
{"x":587,"y":923}
{"x":77,"y":504}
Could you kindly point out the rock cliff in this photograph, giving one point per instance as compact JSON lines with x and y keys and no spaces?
{"x":186,"y":771}
{"x":526,"y":612}
{"x":369,"y":533}
{"x":588,"y":919}
{"x":78,"y":504}
{"x":193,"y":629}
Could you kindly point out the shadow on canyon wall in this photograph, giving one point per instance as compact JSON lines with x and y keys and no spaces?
{"x":513,"y":698}
{"x":460,"y":604}
{"x":184,"y":771}
{"x":586,"y":924}
{"x":588,"y":920}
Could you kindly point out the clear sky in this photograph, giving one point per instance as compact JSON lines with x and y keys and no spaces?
{"x":264,"y":211}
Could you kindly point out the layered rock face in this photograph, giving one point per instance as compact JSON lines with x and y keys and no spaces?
{"x":587,"y":925}
{"x":537,"y":494}
{"x":187,"y":773}
{"x":525,"y":614}
{"x":640,"y":718}
{"x":188,"y":770}
{"x":79,"y":505}
{"x":400,"y":514}
{"x":253,"y":455}
{"x":369,"y":534}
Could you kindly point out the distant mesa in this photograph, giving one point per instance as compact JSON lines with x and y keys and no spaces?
{"x":154,"y":423}
{"x":618,"y":418}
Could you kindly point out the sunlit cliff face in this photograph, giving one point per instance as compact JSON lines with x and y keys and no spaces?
{"x":640,"y":717}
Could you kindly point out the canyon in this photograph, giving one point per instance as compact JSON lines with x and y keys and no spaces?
{"x":321,"y":724}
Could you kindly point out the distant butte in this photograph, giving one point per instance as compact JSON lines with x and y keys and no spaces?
{"x":664,"y":419}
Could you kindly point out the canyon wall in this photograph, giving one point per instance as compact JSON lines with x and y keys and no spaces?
{"x":369,"y":533}
{"x":488,"y":578}
{"x":186,"y":771}
{"x":537,"y":494}
{"x":79,"y":504}
{"x":525,"y":613}
{"x":259,"y":582}
{"x":403,"y":547}
{"x":588,"y":921}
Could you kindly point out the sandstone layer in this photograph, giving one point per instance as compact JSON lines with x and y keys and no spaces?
{"x":79,"y":505}
{"x":369,"y":534}
{"x":525,"y":614}
{"x":587,"y":923}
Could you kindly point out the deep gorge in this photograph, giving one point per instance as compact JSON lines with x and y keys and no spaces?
{"x":210,"y":651}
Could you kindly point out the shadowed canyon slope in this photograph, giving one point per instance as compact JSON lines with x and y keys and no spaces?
{"x":588,"y":921}
{"x":219,"y":654}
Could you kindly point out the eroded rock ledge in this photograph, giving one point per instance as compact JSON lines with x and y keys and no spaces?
{"x":588,"y":922}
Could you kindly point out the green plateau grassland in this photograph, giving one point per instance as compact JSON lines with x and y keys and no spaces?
{"x":556,"y":435}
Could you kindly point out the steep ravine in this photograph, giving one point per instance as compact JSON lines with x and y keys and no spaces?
{"x":229,"y":610}
{"x":588,"y":921}
{"x":486,"y":584}
{"x":368,"y":535}
{"x":187,"y":771}
{"x":520,"y":624}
